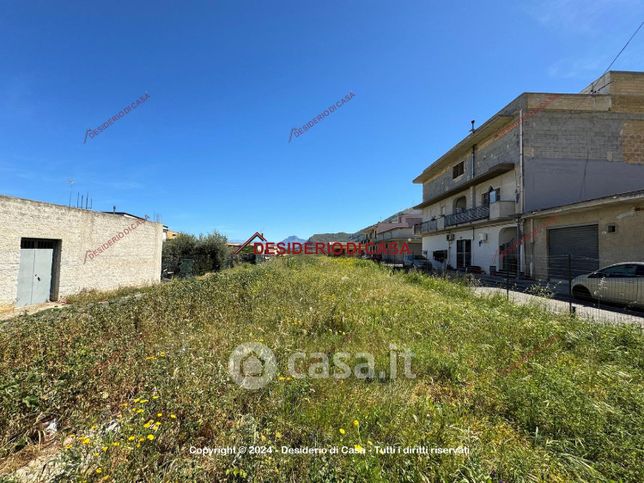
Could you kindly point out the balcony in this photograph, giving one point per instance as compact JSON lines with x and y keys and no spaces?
{"x":426,"y":227}
{"x":396,"y":234}
{"x":468,"y":216}
{"x":502,"y":209}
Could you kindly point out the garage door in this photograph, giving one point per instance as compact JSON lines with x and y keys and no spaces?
{"x":580,"y":242}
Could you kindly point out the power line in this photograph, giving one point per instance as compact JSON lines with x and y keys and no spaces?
{"x":592,"y":86}
{"x":624,"y":48}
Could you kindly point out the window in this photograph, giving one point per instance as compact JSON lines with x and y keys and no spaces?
{"x":458,"y":170}
{"x":439,"y":255}
{"x":460,"y":204}
{"x":463,"y":253}
{"x":492,"y":196}
{"x":619,"y":271}
{"x":36,"y":243}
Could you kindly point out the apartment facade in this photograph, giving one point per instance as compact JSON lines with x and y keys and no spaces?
{"x":398,"y":228}
{"x":612,"y":225}
{"x":540,"y":151}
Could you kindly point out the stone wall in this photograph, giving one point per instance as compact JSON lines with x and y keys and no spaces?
{"x":131,"y":253}
{"x":626,"y":244}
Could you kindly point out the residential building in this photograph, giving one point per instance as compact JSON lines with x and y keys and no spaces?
{"x":539,"y":152}
{"x":49,"y":251}
{"x":169,"y":234}
{"x":398,"y":228}
{"x":596,"y":233}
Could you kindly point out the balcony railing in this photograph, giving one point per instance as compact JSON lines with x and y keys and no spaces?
{"x":396,"y":234}
{"x":426,"y":227}
{"x":467,"y":216}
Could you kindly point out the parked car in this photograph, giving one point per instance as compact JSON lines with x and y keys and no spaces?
{"x":417,"y":262}
{"x":621,"y":283}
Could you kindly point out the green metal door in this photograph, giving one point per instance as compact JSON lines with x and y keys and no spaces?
{"x":34,"y":275}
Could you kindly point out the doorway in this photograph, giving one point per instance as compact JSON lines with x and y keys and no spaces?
{"x":580,"y":243}
{"x":463,"y":253}
{"x":509,"y":250}
{"x":38,"y":272}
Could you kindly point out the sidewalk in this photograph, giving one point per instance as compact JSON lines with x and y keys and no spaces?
{"x":562,"y":307}
{"x":29,"y":310}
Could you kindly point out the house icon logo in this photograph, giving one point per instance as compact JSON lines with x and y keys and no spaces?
{"x":247,"y":242}
{"x":252,"y":365}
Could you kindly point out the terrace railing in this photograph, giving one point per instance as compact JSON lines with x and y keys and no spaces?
{"x":426,"y":227}
{"x":396,"y":234}
{"x":467,"y":216}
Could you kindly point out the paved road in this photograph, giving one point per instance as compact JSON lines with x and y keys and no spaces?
{"x":563,"y":307}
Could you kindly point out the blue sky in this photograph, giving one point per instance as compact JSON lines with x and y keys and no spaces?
{"x":228,"y":80}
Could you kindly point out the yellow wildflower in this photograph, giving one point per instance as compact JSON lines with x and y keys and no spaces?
{"x":159,"y":415}
{"x":342,"y":431}
{"x":104,"y":448}
{"x":356,"y":423}
{"x":155,"y":397}
{"x":99,"y":471}
{"x":86,"y":441}
{"x":278,"y":435}
{"x":116,"y":443}
{"x":151,"y":437}
{"x":359,"y":448}
{"x":139,"y":411}
{"x":173,"y":416}
{"x":131,"y":438}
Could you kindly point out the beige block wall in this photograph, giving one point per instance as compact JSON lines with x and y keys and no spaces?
{"x":626,"y":244}
{"x":133,"y":260}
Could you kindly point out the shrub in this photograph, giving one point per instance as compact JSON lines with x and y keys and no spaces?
{"x":208,"y":252}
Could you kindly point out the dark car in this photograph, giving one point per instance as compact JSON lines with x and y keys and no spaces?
{"x":417,"y":262}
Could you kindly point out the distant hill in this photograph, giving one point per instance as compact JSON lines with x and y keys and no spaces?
{"x":293,"y":239}
{"x":331,"y":237}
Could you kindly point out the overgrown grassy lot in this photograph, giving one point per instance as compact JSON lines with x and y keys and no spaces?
{"x":138,"y":381}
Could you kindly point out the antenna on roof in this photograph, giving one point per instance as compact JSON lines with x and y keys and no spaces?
{"x":71,"y":181}
{"x":473,"y":129}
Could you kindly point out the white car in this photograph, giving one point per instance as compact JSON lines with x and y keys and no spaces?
{"x":622,"y":283}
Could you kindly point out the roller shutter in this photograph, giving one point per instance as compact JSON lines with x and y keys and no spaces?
{"x":581,"y":242}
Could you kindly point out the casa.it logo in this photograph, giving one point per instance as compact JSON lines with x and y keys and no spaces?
{"x":252,"y":365}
